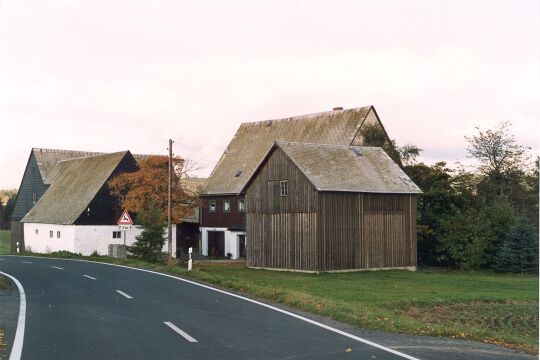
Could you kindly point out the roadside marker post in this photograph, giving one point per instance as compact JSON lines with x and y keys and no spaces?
{"x":190,"y":261}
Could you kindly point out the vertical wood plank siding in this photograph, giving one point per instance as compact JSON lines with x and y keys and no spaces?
{"x":325,"y":231}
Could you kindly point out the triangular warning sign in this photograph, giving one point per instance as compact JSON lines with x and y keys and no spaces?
{"x":125,"y":219}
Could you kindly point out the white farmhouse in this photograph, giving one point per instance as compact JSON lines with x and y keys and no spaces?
{"x":77,"y":213}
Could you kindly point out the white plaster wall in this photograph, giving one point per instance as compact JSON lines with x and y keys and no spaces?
{"x":231,"y":241}
{"x":43,"y":243}
{"x":90,"y":238}
{"x":84,"y":239}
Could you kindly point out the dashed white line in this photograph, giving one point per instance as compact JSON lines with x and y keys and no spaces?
{"x":90,"y":277}
{"x":56,"y":267}
{"x":26,"y":262}
{"x":124,"y":294}
{"x":16,"y":349}
{"x":182,"y":333}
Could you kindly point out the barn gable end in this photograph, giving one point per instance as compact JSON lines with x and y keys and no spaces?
{"x":346,"y":208}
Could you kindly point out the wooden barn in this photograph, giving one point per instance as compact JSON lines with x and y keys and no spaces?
{"x":223,"y":216}
{"x":315,"y":207}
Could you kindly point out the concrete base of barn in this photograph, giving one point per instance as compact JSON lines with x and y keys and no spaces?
{"x":408,"y":268}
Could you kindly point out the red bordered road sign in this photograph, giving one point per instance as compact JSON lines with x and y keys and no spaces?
{"x":125,"y":219}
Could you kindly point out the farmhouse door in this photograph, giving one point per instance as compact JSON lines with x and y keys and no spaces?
{"x":216,"y":243}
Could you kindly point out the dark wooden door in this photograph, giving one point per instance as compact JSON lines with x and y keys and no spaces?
{"x":216,"y":243}
{"x":242,"y":242}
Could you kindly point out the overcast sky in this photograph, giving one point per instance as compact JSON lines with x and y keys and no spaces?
{"x":115,"y":75}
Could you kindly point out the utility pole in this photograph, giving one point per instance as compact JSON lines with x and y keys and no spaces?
{"x":169,"y":206}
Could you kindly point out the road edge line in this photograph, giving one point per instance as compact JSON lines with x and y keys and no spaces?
{"x":268,"y":306}
{"x":16,"y":349}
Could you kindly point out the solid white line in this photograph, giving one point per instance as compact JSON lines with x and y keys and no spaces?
{"x":299,"y":317}
{"x":124,"y":294}
{"x":56,"y":267}
{"x":26,"y":262}
{"x":90,"y":277}
{"x":16,"y":349}
{"x":184,"y":334}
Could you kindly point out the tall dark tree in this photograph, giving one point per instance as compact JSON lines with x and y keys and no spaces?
{"x":519,"y":252}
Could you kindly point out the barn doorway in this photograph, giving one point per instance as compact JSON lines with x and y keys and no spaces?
{"x":242,"y":246}
{"x":216,"y":243}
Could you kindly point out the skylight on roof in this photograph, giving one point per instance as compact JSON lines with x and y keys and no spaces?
{"x":357,"y":150}
{"x":238,"y":173}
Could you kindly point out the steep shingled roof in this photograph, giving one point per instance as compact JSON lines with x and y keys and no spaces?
{"x":348,"y":168}
{"x":76,"y":183}
{"x":47,"y":158}
{"x":252,"y":140}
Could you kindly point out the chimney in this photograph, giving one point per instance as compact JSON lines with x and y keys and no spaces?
{"x":337,"y":108}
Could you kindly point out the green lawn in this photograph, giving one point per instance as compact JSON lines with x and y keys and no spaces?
{"x":5,"y":242}
{"x":495,"y":308}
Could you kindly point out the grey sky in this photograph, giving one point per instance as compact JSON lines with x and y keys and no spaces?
{"x":115,"y":75}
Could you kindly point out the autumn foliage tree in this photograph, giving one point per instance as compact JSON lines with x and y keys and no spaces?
{"x":145,"y":191}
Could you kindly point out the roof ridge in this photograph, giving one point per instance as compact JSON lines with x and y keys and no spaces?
{"x":96,"y":155}
{"x":328,"y":145}
{"x":304,"y":116}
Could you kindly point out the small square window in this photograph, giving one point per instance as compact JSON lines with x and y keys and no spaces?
{"x":241,"y":205}
{"x":117,"y":234}
{"x":34,"y":198}
{"x":212,"y":205}
{"x":51,"y":233}
{"x":226,"y":206}
{"x":283,"y":188}
{"x":58,"y":234}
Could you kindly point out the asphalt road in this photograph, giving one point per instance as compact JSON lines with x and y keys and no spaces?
{"x":85,"y":310}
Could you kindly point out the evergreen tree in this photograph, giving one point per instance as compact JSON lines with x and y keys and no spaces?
{"x":519,"y":252}
{"x":149,"y":243}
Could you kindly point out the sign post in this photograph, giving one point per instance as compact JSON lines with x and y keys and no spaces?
{"x":124,"y":223}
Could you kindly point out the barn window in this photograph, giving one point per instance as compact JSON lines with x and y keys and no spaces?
{"x":34,"y":198}
{"x":51,"y":233}
{"x":226,"y":206}
{"x":212,"y":205}
{"x":58,"y":234}
{"x":241,"y":205}
{"x":117,"y":234}
{"x":283,"y":188}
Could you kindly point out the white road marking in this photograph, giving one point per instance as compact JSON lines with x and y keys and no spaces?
{"x":182,"y":333}
{"x":16,"y":349}
{"x":291,"y":314}
{"x":124,"y":294}
{"x":56,"y":267}
{"x":90,"y":277}
{"x":26,"y":262}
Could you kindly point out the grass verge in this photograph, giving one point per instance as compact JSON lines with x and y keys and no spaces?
{"x":5,"y":242}
{"x":494,"y":308}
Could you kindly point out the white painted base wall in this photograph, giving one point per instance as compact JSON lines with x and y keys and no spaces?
{"x":232,"y":244}
{"x":84,"y":239}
